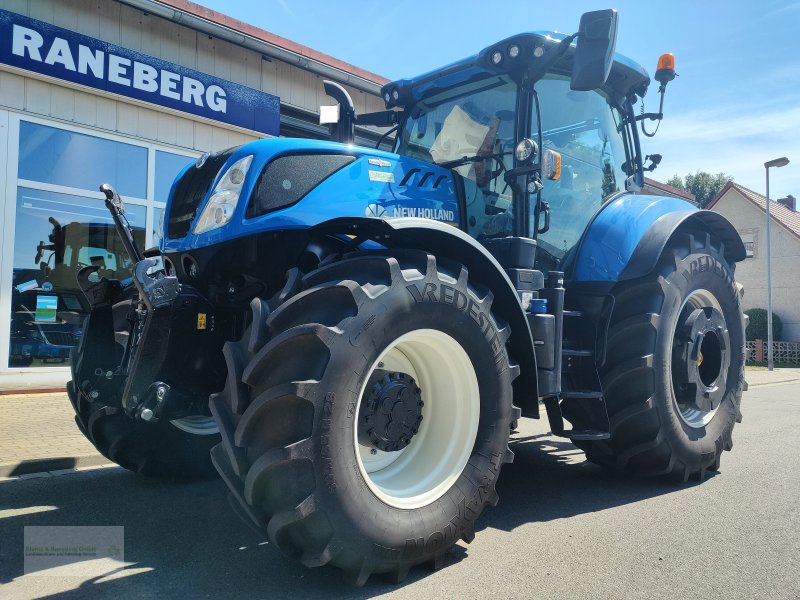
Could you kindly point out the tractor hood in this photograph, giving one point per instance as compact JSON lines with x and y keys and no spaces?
{"x":298,"y":183}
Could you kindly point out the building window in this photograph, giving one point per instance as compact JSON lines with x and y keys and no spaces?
{"x":750,"y":241}
{"x":62,"y":225}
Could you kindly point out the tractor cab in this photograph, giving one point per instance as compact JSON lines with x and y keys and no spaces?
{"x":537,"y":148}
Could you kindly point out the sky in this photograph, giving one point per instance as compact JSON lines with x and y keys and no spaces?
{"x":734,"y":105}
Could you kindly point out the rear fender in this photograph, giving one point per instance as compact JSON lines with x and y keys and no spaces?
{"x":627,"y":236}
{"x":446,"y":241}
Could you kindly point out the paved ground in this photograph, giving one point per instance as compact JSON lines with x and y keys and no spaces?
{"x":563,"y":529}
{"x":38,"y":432}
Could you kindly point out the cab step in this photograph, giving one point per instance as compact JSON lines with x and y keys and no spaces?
{"x":575,"y":352}
{"x":587,"y":435}
{"x":582,"y":394}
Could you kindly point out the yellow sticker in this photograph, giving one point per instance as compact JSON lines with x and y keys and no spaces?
{"x":201,"y":320}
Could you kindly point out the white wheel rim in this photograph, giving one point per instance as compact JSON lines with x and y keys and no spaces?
{"x":197,"y":425}
{"x":423,"y":471}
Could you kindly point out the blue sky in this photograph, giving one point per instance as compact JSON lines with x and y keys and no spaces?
{"x":735,"y":105}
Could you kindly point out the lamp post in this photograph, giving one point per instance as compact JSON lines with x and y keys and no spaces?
{"x":778,"y":162}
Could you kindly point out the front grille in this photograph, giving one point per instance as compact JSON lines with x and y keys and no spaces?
{"x":60,"y":338}
{"x":190,"y":191}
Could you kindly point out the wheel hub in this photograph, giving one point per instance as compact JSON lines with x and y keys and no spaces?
{"x":700,"y":362}
{"x":391,"y":412}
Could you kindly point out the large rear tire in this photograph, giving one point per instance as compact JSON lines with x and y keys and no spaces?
{"x":366,"y":420}
{"x":177,"y":450}
{"x":674,"y":372}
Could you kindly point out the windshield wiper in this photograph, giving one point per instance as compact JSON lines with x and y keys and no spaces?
{"x":449,"y":164}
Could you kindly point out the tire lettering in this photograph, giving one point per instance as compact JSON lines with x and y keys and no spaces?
{"x":705,"y":263}
{"x":324,"y":442}
{"x":447,"y":294}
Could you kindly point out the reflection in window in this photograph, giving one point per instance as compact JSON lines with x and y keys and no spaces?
{"x":475,"y":119}
{"x":586,"y":131}
{"x":56,"y":236}
{"x":168,"y":165}
{"x":158,"y":226}
{"x":61,"y":157}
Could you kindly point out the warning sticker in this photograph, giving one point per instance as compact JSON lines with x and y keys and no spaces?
{"x":201,"y":320}
{"x":381,"y":176}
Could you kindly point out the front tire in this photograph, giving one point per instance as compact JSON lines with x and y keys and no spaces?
{"x":674,"y":371}
{"x":177,"y":450}
{"x":369,"y":430}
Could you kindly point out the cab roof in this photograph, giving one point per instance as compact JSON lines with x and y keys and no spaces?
{"x":626,"y":75}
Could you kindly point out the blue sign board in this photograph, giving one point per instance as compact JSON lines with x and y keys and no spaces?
{"x":43,"y":48}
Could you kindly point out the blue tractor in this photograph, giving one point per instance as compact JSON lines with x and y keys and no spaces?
{"x":351,"y":334}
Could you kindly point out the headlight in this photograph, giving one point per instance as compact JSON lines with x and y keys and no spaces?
{"x":525,"y":150}
{"x":219,"y":209}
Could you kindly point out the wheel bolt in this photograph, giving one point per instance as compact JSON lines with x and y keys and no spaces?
{"x":94,"y":394}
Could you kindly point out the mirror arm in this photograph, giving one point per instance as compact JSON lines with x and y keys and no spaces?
{"x":651,"y":116}
{"x":347,"y":111}
{"x":383,"y":118}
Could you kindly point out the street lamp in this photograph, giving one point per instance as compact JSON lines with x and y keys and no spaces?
{"x":778,"y":162}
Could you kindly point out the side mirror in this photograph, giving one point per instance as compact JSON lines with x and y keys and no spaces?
{"x":342,"y":118}
{"x":594,"y":55}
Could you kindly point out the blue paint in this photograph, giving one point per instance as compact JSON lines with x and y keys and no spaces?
{"x":49,"y":50}
{"x":616,"y":231}
{"x":538,"y":306}
{"x":351,"y":191}
{"x":626,"y":74}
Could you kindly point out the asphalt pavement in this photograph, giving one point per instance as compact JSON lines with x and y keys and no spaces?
{"x":563,"y":529}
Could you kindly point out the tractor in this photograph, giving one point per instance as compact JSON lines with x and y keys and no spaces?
{"x":348,"y":336}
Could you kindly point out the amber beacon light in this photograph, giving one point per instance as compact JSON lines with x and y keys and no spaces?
{"x":665,"y":72}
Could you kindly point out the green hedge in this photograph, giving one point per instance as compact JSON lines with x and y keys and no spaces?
{"x":757,"y":329}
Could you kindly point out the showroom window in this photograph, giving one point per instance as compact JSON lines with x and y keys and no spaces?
{"x":61,"y":225}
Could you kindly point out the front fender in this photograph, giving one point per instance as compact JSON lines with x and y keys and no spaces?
{"x":626,"y":238}
{"x":445,"y":240}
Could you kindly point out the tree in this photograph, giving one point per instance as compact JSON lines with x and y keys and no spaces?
{"x":703,"y":185}
{"x":757,"y":328}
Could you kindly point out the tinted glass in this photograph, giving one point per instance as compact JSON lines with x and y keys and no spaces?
{"x":60,"y":157}
{"x":464,"y":123}
{"x":585,"y":130}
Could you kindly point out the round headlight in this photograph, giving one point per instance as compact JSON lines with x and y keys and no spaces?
{"x":395,"y":95}
{"x":525,"y":150}
{"x":497,"y":57}
{"x":236,"y":176}
{"x":538,"y":51}
{"x":387,"y":97}
{"x":513,"y":51}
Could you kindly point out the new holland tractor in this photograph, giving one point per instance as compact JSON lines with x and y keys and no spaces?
{"x":348,"y":336}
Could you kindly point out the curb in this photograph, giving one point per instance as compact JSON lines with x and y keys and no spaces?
{"x":59,"y":463}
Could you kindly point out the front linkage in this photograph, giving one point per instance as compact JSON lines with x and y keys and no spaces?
{"x":133,"y":351}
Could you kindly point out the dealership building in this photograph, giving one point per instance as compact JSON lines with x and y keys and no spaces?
{"x":124,"y":92}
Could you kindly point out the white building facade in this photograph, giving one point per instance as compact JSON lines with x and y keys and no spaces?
{"x":746,"y":210}
{"x":128,"y":93}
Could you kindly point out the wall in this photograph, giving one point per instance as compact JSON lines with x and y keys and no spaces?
{"x":130,"y":28}
{"x":752,"y":272}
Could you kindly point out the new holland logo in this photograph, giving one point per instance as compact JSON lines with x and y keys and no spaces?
{"x":375,"y":210}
